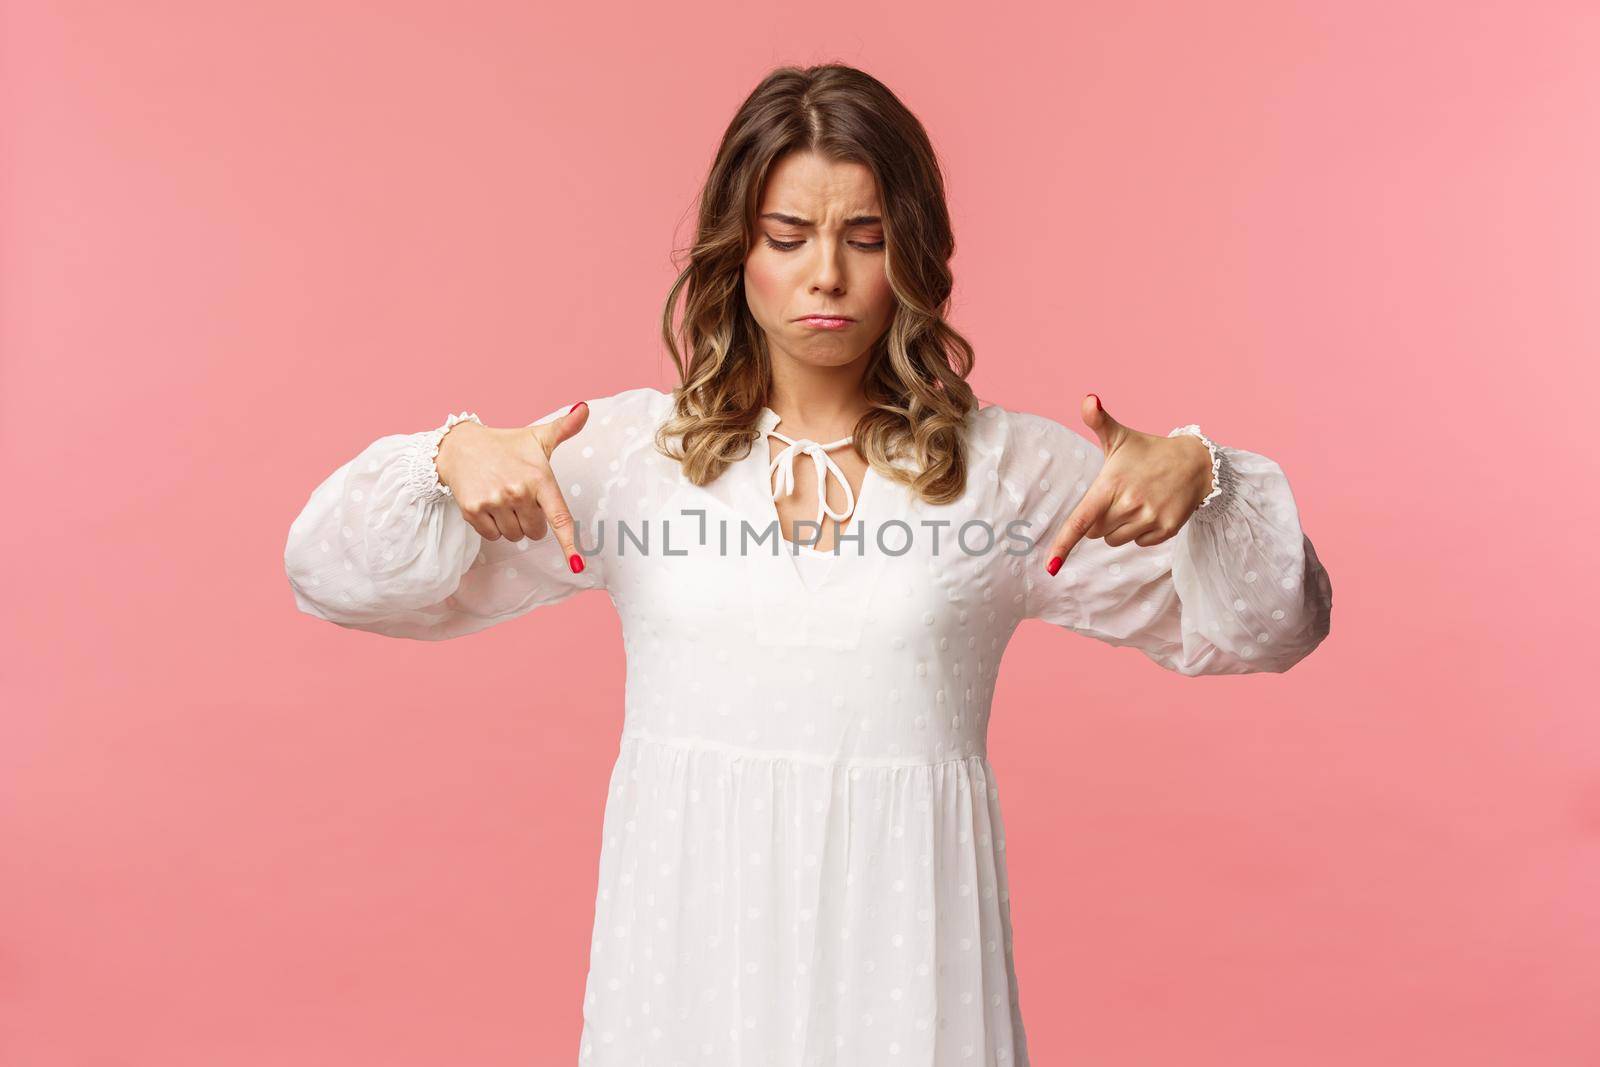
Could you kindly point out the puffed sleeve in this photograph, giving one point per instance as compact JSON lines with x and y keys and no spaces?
{"x":381,"y":545}
{"x":1238,"y":589}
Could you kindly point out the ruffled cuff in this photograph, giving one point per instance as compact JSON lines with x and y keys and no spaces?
{"x":422,"y":475}
{"x":1222,"y":476}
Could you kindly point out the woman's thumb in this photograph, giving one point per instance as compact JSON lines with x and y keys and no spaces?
{"x":552,"y":433}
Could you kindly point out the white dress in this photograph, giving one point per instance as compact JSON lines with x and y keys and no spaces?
{"x":803,"y":857}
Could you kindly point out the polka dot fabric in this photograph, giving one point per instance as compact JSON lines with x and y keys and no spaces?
{"x":803,"y":855}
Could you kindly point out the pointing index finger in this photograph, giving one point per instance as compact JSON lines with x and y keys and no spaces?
{"x":557,"y":515}
{"x":1085,"y":517}
{"x":559,"y":518}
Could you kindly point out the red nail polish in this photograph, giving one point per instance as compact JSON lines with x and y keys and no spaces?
{"x":1097,"y":406}
{"x":1055,"y":565}
{"x":575,"y":561}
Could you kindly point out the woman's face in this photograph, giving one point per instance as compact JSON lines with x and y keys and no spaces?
{"x":818,"y":250}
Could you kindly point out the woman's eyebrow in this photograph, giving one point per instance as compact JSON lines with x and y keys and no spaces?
{"x":796,"y":220}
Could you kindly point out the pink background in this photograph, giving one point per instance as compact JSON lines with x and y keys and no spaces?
{"x":241,"y":241}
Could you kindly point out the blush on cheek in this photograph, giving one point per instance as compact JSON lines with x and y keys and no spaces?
{"x":762,"y":284}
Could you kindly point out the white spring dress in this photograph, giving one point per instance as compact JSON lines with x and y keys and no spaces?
{"x":803,"y":856}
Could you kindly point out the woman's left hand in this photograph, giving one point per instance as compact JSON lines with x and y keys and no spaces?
{"x":1145,"y":491}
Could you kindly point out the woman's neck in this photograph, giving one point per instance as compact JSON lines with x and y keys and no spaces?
{"x":817,"y":404}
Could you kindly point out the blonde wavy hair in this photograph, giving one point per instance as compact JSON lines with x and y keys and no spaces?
{"x":916,"y":372}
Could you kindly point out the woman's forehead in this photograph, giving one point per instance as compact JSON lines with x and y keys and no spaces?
{"x":809,"y":186}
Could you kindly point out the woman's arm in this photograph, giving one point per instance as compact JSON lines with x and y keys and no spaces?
{"x":1238,"y":589}
{"x":382,"y":546}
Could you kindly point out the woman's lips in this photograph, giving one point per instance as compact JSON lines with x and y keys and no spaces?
{"x":825,"y":322}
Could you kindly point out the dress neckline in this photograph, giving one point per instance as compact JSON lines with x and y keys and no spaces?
{"x":829,"y":594}
{"x":780,"y":471}
{"x":779,"y":467}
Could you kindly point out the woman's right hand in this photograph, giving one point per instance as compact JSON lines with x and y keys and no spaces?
{"x":503,"y":483}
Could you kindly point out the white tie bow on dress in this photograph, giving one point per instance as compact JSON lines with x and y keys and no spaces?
{"x":782,"y":472}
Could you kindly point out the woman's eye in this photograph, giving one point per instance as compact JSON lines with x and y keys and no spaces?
{"x":790,"y":246}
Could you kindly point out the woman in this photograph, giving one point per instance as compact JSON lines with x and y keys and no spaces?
{"x":803,"y":857}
